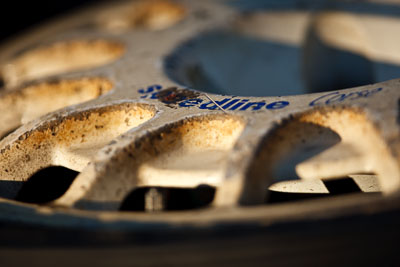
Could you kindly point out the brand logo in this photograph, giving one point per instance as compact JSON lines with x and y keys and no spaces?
{"x":243,"y":104}
{"x":337,"y":97}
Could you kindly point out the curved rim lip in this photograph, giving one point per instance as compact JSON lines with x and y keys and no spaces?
{"x":262,"y":215}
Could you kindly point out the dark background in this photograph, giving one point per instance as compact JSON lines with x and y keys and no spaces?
{"x":17,"y":16}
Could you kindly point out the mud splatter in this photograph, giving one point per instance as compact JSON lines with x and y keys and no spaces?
{"x":172,"y":96}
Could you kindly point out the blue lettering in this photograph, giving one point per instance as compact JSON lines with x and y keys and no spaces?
{"x":152,"y":92}
{"x":277,"y":105}
{"x":355,"y":95}
{"x":230,"y":103}
{"x":213,"y":106}
{"x":314,"y":102}
{"x":150,"y":89}
{"x":191,"y":102}
{"x":154,"y":95}
{"x":239,"y":104}
{"x":337,"y":97}
{"x":374,"y":91}
{"x":255,"y":105}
